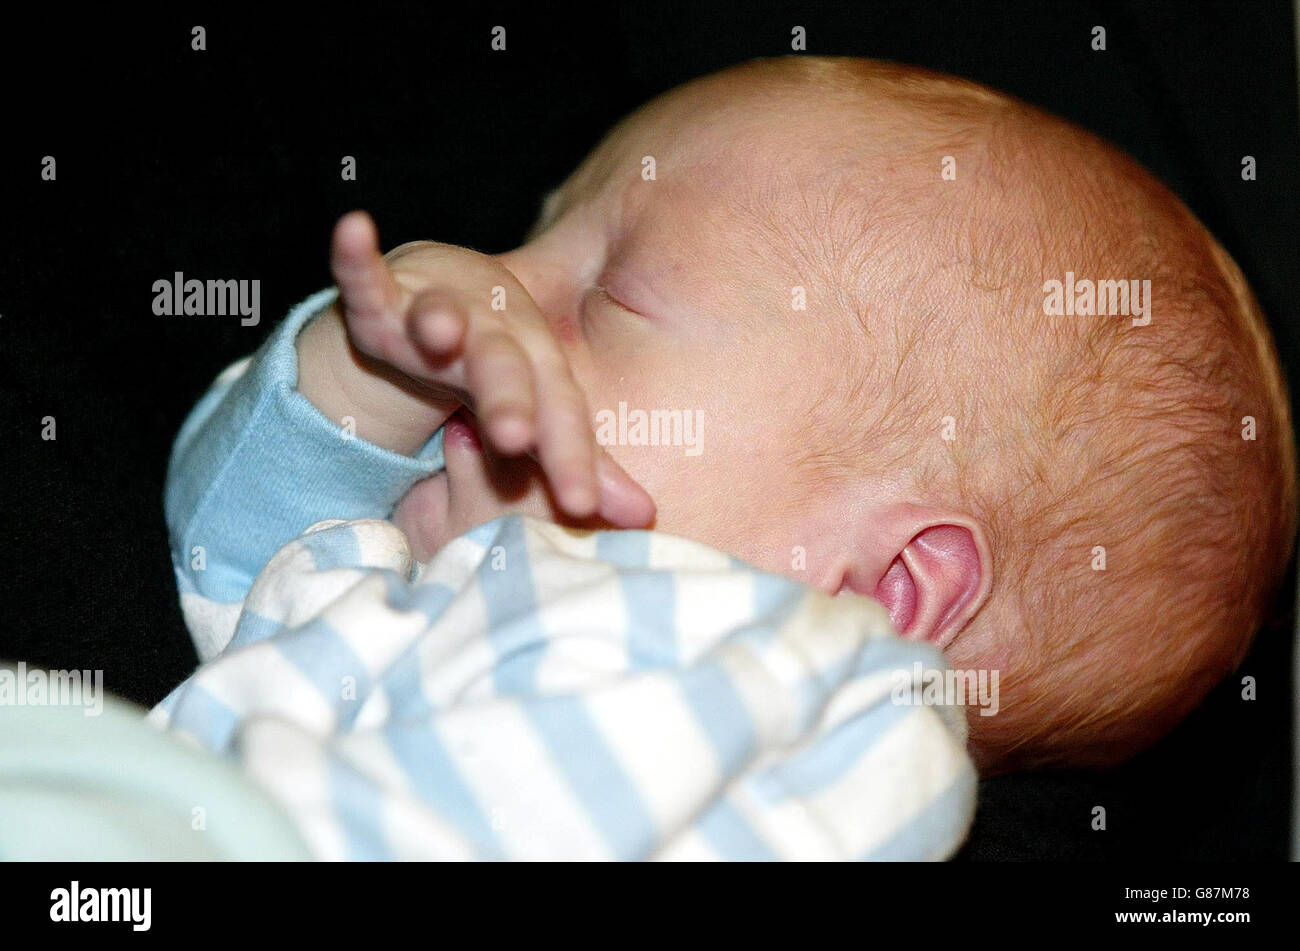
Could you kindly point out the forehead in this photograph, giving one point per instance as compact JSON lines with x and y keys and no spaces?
{"x":738,"y":189}
{"x":758,"y":192}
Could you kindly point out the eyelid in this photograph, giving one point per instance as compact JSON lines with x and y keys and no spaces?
{"x":603,"y":292}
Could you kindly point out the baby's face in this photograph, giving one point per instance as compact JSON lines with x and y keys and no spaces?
{"x":685,"y":270}
{"x":672,"y":289}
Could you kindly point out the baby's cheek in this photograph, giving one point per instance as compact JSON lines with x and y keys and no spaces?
{"x":701,"y":504}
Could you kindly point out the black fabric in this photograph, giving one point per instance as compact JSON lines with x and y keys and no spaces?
{"x":226,"y":163}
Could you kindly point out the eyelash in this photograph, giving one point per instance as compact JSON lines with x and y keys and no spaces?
{"x":596,"y":296}
{"x":609,"y":298}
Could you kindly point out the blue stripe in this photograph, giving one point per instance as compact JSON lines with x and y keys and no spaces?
{"x":775,"y":598}
{"x":322,"y":656}
{"x":624,"y":549}
{"x":610,"y":798}
{"x":333,"y":547}
{"x":201,"y":714}
{"x":438,"y":783}
{"x":405,"y":688}
{"x":404,"y":678}
{"x":514,"y":625}
{"x":487,"y":534}
{"x":649,"y":599}
{"x":721,"y":714}
{"x":252,"y":628}
{"x":430,"y":598}
{"x":359,"y":806}
{"x":726,"y":830}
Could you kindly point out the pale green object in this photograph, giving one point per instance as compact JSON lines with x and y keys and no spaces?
{"x":112,"y":787}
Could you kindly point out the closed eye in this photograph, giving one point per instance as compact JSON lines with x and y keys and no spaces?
{"x":599,"y":296}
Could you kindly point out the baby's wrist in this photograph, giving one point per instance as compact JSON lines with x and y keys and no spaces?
{"x":369,"y":398}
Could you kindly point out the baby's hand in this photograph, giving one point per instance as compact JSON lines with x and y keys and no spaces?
{"x":422,"y":337}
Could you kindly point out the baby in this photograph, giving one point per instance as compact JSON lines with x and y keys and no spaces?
{"x":912,"y":319}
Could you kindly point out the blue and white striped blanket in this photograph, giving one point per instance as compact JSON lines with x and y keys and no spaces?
{"x":533,"y":692}
{"x":530,"y":692}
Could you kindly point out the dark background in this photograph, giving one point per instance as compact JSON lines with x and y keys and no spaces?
{"x":225,"y":163}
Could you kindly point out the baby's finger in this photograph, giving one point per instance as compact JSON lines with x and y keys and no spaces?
{"x":623,"y":502}
{"x":501,"y":381}
{"x":369,"y":297}
{"x":437,"y":322}
{"x":566,"y":445}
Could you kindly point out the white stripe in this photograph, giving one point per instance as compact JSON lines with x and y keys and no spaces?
{"x":293,"y":768}
{"x":577,"y":544}
{"x":772,"y":710}
{"x":665,"y":753}
{"x":709,"y":607}
{"x":211,"y":623}
{"x":376,"y":709}
{"x":582,"y":611}
{"x":414,"y":833}
{"x":670,"y":553}
{"x":517,"y":785}
{"x":382,"y":544}
{"x":456,"y":659}
{"x":373,"y":757}
{"x":376,"y":633}
{"x":455,"y":565}
{"x":689,"y":846}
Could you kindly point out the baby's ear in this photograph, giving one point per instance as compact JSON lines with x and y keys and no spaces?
{"x":931,"y":570}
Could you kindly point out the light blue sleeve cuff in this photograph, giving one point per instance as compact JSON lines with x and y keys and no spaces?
{"x":256,"y":463}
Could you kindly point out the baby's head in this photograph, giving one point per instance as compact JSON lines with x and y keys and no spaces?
{"x":837,"y":274}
